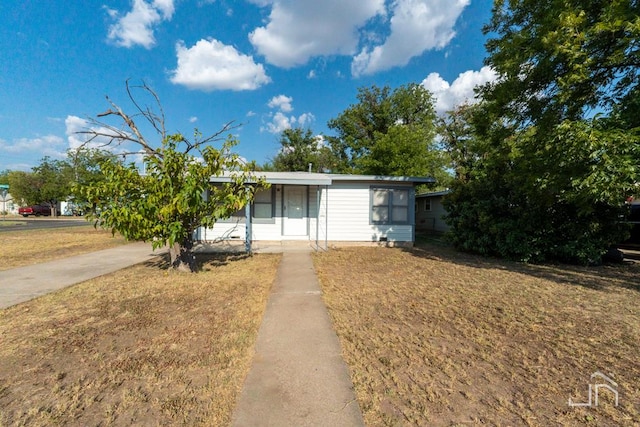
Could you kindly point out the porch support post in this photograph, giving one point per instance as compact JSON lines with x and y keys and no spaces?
{"x":247,"y":238}
{"x":326,"y":217}
{"x":317,"y":214}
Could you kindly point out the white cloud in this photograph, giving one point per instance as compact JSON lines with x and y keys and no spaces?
{"x":261,"y":3}
{"x":282,"y":102}
{"x":166,"y":7}
{"x":210,"y":65}
{"x":305,"y":119}
{"x":416,"y":26}
{"x":279,"y":121}
{"x":300,"y":29}
{"x":75,"y":125}
{"x":136,"y":26}
{"x":448,"y":96}
{"x":297,"y":30}
{"x":193,"y":119}
{"x":320,"y":141}
{"x":48,"y":145}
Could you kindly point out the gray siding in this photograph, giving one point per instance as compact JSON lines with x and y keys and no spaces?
{"x":430,"y":220}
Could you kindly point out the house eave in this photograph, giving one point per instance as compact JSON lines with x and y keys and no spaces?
{"x":310,"y":178}
{"x":434,"y":194}
{"x":384,"y":178}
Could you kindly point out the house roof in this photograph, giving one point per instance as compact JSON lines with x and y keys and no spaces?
{"x":296,"y":178}
{"x":434,"y":194}
{"x":311,"y":178}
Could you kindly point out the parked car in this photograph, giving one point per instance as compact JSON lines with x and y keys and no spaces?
{"x":37,"y":210}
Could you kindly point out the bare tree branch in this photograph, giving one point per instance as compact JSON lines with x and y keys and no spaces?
{"x":157,"y":121}
{"x":129,"y":132}
{"x":218,"y":136}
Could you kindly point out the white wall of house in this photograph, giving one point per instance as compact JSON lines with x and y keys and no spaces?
{"x":349,"y":216}
{"x":8,"y":205}
{"x":339,"y":212}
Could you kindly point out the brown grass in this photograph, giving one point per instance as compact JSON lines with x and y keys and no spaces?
{"x":27,"y":247}
{"x":434,"y":337}
{"x":143,"y":346}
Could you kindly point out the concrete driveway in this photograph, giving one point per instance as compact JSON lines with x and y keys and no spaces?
{"x":24,"y":283}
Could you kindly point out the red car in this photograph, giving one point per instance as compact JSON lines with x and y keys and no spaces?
{"x":37,"y":210}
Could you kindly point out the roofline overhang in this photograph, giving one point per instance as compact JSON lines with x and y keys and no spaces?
{"x":435,"y":193}
{"x":310,"y":178}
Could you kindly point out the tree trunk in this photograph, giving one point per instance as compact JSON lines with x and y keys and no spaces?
{"x":182,"y":256}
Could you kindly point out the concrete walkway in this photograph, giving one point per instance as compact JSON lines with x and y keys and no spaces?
{"x":24,"y":283}
{"x":298,"y":376}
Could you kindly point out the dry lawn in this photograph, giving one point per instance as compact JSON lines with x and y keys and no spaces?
{"x":433,"y":337}
{"x":27,"y":247}
{"x":144,"y":346}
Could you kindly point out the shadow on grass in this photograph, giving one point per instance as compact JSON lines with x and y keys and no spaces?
{"x":601,"y":278}
{"x":204,"y":261}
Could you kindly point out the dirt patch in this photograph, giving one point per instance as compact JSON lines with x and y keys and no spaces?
{"x":144,"y":346}
{"x":434,"y":337}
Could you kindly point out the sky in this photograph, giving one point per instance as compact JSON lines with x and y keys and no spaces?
{"x":265,"y":65}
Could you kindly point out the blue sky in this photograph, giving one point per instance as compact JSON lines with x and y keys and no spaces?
{"x":265,"y":64}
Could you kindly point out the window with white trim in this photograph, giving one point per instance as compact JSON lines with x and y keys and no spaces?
{"x":389,"y":205}
{"x":263,"y":208}
{"x":427,"y":205}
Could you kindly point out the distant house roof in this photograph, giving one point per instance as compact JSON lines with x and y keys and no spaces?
{"x":310,"y":178}
{"x":435,"y":193}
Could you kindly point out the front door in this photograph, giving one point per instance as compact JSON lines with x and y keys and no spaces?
{"x":295,"y":211}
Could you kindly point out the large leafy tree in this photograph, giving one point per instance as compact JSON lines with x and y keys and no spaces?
{"x":388,"y":133}
{"x":24,"y":187}
{"x":461,"y":141}
{"x":84,"y":165}
{"x":50,"y":181}
{"x":167,"y":203}
{"x":560,"y":143}
{"x":300,"y":148}
{"x":561,"y":59}
{"x":55,"y":178}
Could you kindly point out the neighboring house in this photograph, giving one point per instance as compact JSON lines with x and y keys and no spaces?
{"x":7,"y":204}
{"x":429,"y":212}
{"x":322,"y":208}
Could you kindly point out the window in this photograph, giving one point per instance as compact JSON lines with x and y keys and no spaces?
{"x":237,"y":217}
{"x":389,"y":205}
{"x":427,"y":205}
{"x":263,"y":206}
{"x":262,"y":209}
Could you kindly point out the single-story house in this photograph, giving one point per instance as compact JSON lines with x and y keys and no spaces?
{"x":7,"y":204}
{"x":429,"y":211}
{"x":320,"y":208}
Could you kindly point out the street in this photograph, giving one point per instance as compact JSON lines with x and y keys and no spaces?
{"x":41,"y":223}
